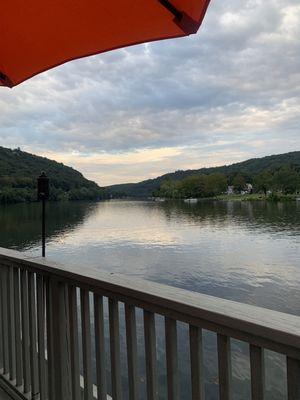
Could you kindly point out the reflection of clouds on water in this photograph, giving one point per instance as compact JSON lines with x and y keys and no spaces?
{"x":151,"y":225}
{"x":238,"y":250}
{"x":248,"y":252}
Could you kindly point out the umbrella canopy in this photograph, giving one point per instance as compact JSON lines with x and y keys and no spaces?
{"x":37,"y":35}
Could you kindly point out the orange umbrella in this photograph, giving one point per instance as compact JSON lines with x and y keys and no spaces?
{"x":37,"y":35}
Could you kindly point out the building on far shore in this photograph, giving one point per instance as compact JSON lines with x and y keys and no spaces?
{"x":230,"y":190}
{"x":248,"y":189}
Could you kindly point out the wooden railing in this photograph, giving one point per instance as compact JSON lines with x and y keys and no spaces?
{"x":50,"y":314}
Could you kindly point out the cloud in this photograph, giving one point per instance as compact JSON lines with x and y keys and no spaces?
{"x":230,"y":92}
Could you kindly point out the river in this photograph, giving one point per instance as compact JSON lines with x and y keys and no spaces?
{"x":242,"y":251}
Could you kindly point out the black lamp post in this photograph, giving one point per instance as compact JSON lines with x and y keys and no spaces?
{"x":43,"y":195}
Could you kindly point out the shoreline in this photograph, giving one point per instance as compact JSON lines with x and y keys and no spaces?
{"x":237,"y":197}
{"x":258,"y":197}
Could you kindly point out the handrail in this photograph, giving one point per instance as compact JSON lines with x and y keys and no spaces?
{"x":261,"y":328}
{"x":217,"y":314}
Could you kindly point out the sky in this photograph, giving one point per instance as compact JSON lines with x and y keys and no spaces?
{"x":229,"y":93}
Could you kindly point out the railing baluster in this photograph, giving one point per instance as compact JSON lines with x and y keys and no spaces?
{"x":41,"y":335}
{"x":18,"y":328}
{"x":11,"y":324}
{"x":25,"y":332}
{"x":4,"y":273}
{"x":293,"y":378}
{"x":257,"y":372}
{"x":196,"y":355}
{"x":100,"y":347}
{"x":50,"y":334}
{"x":172,"y":359}
{"x":150,"y":352}
{"x":64,"y":342}
{"x":74,"y":342}
{"x":86,"y":344}
{"x":58,"y":344}
{"x":131,"y":341}
{"x":1,"y":322}
{"x":114,"y":333}
{"x":224,"y":363}
{"x":33,"y":334}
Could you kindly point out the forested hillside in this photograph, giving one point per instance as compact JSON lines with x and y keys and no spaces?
{"x":19,"y":171}
{"x":282,"y":167}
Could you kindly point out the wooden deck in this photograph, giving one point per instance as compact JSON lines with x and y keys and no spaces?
{"x":41,"y":299}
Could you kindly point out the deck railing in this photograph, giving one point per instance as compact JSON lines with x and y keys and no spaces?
{"x":48,"y":321}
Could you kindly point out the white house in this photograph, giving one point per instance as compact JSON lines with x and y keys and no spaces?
{"x":230,"y":190}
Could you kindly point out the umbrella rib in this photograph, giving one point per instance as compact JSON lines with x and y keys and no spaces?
{"x":4,"y":79}
{"x":169,"y":6}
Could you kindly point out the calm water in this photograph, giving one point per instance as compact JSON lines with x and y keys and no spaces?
{"x":248,"y":252}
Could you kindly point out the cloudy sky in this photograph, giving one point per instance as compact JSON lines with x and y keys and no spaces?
{"x":229,"y":93}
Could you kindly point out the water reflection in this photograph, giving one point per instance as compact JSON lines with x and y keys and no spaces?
{"x":21,"y":227}
{"x":247,"y":252}
{"x":275,"y":218}
{"x":244,"y":251}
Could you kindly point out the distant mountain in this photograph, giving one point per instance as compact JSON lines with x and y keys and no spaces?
{"x":247,"y":168}
{"x":19,"y":171}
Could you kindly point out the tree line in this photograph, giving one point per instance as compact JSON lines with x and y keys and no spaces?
{"x":9,"y":195}
{"x":284,"y":180}
{"x":18,"y":179}
{"x":247,"y":169}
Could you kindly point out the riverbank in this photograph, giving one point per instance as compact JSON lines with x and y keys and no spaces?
{"x":237,"y":197}
{"x":257,"y":197}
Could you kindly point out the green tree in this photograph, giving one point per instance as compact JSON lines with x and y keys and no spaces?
{"x":263,"y":182}
{"x":169,"y":189}
{"x":239,"y":182}
{"x":215,"y":184}
{"x":287,"y":180}
{"x":193,"y":186}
